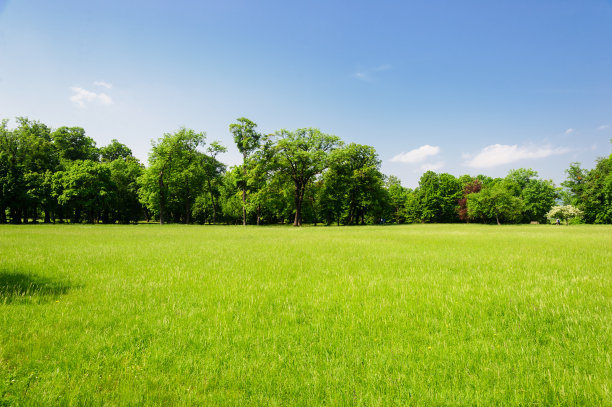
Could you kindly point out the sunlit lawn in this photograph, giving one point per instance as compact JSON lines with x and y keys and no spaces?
{"x":381,"y":315}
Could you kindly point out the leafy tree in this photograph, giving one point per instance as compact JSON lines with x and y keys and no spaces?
{"x":355,"y":171}
{"x":398,"y":196}
{"x":574,"y":184}
{"x":495,"y":202}
{"x":565,"y":213}
{"x":597,"y":193}
{"x":213,"y":170}
{"x":247,"y":141}
{"x":302,"y":155}
{"x":470,"y":186}
{"x":124,"y":205}
{"x":85,"y":188}
{"x":175,"y":175}
{"x":114,"y":151}
{"x":72,"y":144}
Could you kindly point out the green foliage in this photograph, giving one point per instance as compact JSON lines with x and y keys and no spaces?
{"x":301,"y":155}
{"x":175,"y":176}
{"x":495,"y":202}
{"x":114,"y":151}
{"x":72,"y":144}
{"x":565,"y":212}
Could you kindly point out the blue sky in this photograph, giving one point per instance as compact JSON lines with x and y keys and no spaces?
{"x":461,"y":87}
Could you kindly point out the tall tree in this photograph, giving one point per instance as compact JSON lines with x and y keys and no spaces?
{"x":247,"y":141}
{"x":174,"y":176}
{"x":495,"y":202}
{"x":302,"y":155}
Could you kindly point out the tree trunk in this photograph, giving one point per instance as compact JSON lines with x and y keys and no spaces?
{"x":2,"y":214}
{"x":47,"y":216}
{"x":497,"y":219}
{"x":258,"y":212}
{"x":299,"y":197}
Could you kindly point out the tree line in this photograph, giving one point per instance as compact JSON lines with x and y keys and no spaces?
{"x":300,"y":176}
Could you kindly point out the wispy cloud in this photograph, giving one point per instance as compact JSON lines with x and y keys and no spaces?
{"x":499,"y":154}
{"x":103,"y":84}
{"x":81,"y":97}
{"x":570,"y":131}
{"x":603,"y":127}
{"x":368,"y":74}
{"x":417,"y":155}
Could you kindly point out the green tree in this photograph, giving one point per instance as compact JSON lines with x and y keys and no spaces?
{"x":565,"y":213}
{"x":86,"y":188}
{"x":72,"y":144}
{"x":247,"y":141}
{"x":574,"y":184}
{"x":495,"y":202}
{"x":597,"y":193}
{"x":114,"y":151}
{"x":175,"y":175}
{"x":398,"y":196}
{"x":302,"y":155}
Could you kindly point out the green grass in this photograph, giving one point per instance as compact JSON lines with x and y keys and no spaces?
{"x":418,"y":315}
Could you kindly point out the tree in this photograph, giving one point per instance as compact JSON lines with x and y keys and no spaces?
{"x":302,"y":155}
{"x":85,"y":187}
{"x":565,"y":213}
{"x":114,"y":151}
{"x":175,"y":176}
{"x":597,"y":193}
{"x":397,"y":198}
{"x":470,"y":186}
{"x":72,"y":144}
{"x":574,"y":184}
{"x":495,"y":202}
{"x":247,"y":141}
{"x":213,"y":170}
{"x":124,"y":205}
{"x":354,"y":171}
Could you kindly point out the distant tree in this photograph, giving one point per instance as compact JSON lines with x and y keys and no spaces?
{"x":302,"y":155}
{"x":86,"y":188}
{"x":213,"y":170}
{"x":470,"y":186}
{"x":397,"y":198}
{"x":565,"y":213}
{"x":175,"y":175}
{"x":495,"y":202}
{"x":72,"y":144}
{"x":114,"y":151}
{"x":597,"y":193}
{"x":574,"y":184}
{"x":247,"y":141}
{"x":124,"y":205}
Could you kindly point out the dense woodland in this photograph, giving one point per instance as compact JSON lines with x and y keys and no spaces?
{"x":302,"y":176}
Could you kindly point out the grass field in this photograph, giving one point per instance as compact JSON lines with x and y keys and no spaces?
{"x":417,"y":315}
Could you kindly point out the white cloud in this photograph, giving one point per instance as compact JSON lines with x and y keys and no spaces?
{"x":569,"y":131}
{"x":417,"y":155}
{"x":82,"y":96}
{"x":103,"y":84}
{"x":603,"y":127}
{"x":432,"y":166}
{"x":367,"y":74}
{"x":499,"y":154}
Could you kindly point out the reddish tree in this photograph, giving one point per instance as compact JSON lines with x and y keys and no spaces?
{"x":471,"y":187}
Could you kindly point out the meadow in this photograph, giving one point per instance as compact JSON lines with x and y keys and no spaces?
{"x":377,"y":315}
